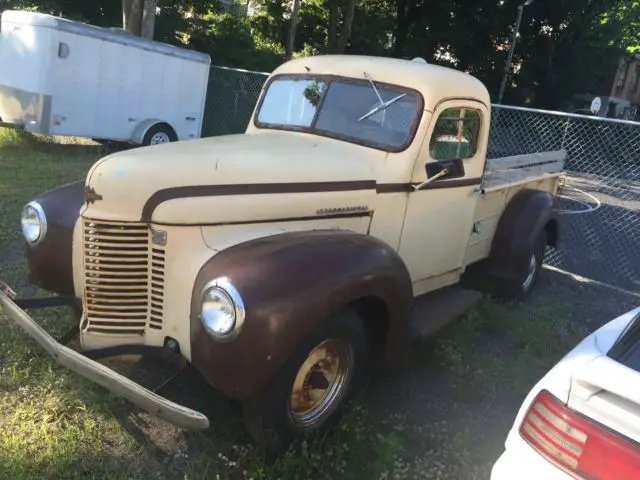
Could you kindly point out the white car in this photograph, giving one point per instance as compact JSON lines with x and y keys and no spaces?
{"x":582,"y":419}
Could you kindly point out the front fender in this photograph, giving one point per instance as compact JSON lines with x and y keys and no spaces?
{"x":290,"y":283}
{"x":50,"y":261}
{"x":526,"y":215}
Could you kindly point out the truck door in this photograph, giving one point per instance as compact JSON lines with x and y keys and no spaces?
{"x":439,"y":216}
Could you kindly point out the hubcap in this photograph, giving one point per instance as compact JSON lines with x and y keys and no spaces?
{"x":159,"y":137}
{"x":533,"y":266}
{"x":320,"y":383}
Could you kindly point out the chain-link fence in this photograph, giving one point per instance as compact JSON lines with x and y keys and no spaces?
{"x":231,"y":97}
{"x":600,"y":199}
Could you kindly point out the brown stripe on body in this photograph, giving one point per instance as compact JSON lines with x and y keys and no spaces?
{"x":167,"y":194}
{"x":408,"y":187}
{"x":272,"y":220}
{"x":174,"y":193}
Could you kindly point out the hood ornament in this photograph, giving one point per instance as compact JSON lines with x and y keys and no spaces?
{"x":90,"y":195}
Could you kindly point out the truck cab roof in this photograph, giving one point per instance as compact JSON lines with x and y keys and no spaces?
{"x":433,"y":82}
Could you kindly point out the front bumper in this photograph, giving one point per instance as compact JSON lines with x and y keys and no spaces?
{"x":100,"y":374}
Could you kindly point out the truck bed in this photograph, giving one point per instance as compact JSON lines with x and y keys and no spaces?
{"x":503,"y":178}
{"x":507,"y":171}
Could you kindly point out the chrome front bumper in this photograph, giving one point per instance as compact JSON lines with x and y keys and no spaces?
{"x":100,"y":374}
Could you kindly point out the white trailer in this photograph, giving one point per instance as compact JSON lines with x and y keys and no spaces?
{"x":60,"y":77}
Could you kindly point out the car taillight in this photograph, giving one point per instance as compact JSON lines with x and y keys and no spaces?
{"x":576,"y":444}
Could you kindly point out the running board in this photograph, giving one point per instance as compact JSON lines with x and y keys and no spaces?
{"x":435,"y":310}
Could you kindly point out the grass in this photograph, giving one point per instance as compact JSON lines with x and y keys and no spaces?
{"x":54,"y":424}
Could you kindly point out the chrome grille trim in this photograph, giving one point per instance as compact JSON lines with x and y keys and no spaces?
{"x":124,"y":278}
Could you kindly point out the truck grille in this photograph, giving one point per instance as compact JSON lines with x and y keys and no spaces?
{"x":124,"y":278}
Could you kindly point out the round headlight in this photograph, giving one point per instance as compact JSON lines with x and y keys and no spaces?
{"x":34,"y":223}
{"x":222,"y":310}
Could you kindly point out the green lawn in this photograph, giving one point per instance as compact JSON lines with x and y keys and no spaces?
{"x":54,"y":424}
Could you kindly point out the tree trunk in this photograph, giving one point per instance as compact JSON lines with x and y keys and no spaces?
{"x":401,"y":28}
{"x":334,"y":13}
{"x":126,"y":8}
{"x":345,"y":35}
{"x":132,"y":16}
{"x":292,"y":29}
{"x":149,"y":18}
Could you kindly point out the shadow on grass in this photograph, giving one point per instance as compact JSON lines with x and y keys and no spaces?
{"x":27,"y":142}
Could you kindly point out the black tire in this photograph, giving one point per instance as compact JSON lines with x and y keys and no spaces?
{"x":158,"y":134}
{"x":521,"y":288}
{"x":270,"y":417}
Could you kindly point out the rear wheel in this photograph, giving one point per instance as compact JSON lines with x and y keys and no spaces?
{"x":307,"y":395}
{"x":520,"y":288}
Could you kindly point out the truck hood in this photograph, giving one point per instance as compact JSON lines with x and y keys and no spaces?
{"x":233,"y":178}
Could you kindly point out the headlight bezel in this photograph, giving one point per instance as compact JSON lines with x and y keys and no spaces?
{"x":42,"y":222}
{"x":223,"y":285}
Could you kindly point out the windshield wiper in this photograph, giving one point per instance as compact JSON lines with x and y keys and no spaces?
{"x":383,"y":105}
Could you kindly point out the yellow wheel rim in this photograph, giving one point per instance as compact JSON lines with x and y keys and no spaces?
{"x":320,"y":383}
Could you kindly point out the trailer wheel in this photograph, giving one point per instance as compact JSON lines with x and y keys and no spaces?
{"x":307,"y":395}
{"x":158,"y":134}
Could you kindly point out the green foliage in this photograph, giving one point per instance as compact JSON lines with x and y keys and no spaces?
{"x":622,"y":25}
{"x":231,"y":42}
{"x":563,"y":48}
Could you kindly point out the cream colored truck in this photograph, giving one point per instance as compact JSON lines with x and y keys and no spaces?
{"x":284,"y":262}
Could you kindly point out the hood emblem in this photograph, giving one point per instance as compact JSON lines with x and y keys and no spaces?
{"x":90,"y":195}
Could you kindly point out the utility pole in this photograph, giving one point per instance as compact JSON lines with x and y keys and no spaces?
{"x":512,"y":49}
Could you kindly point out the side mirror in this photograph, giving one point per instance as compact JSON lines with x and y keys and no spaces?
{"x":454,"y":168}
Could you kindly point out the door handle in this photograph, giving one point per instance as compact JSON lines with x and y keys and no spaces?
{"x":438,"y":175}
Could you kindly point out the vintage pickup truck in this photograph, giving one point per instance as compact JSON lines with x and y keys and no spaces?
{"x":285,"y":262}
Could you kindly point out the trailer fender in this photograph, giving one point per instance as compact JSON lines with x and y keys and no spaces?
{"x":289,"y":283}
{"x":526,"y":215}
{"x":143,"y":127}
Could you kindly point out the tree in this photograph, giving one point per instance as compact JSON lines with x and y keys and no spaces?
{"x":149,"y":18}
{"x":293,"y":23}
{"x":338,"y":38}
{"x":132,"y":16}
{"x":139,"y":16}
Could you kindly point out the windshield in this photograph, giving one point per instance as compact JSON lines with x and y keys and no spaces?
{"x":384,"y":117}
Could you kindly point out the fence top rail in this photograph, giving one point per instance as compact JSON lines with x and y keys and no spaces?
{"x":566,"y":114}
{"x":240,"y":70}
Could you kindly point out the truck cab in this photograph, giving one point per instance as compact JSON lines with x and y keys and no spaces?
{"x":283,"y":262}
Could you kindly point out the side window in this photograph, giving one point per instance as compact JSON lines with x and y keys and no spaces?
{"x":455,"y":134}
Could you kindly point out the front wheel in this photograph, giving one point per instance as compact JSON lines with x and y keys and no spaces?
{"x":308,"y":393}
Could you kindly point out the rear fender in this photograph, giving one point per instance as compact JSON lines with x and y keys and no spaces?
{"x":527,"y":214}
{"x":289,"y":284}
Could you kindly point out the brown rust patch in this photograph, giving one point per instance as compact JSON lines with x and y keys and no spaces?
{"x":290,"y":283}
{"x":50,"y":262}
{"x":526,"y":215}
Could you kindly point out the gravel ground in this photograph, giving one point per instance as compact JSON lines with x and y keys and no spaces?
{"x":446,"y":415}
{"x":601,"y":241}
{"x":470,"y":426}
